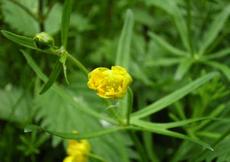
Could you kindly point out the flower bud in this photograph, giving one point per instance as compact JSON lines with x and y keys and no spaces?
{"x":43,"y":40}
{"x":109,"y":83}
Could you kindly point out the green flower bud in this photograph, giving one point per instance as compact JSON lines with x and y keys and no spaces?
{"x":43,"y":40}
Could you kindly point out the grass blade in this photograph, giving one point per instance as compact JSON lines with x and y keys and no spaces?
{"x":162,"y":131}
{"x":173,"y":97}
{"x":65,"y":22}
{"x":21,"y":40}
{"x":223,"y":68}
{"x":215,"y":28}
{"x":219,"y":54}
{"x":166,"y":45}
{"x":123,"y":50}
{"x":174,"y":124}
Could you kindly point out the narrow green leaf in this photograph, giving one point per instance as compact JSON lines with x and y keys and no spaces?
{"x":21,"y":40}
{"x":34,"y":66}
{"x":183,"y":68}
{"x":173,"y":97}
{"x":218,"y":54}
{"x":163,"y":131}
{"x":173,"y":124}
{"x":223,"y":68}
{"x":214,"y":29}
{"x":123,"y":50}
{"x":171,"y":7}
{"x":166,"y":45}
{"x":123,"y":56}
{"x":53,"y":77}
{"x":75,"y":135}
{"x":162,"y":62}
{"x":65,"y":22}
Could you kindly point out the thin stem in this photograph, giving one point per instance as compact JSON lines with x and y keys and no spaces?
{"x":78,"y":64}
{"x":40,"y":13}
{"x":130,"y":105}
{"x":25,"y":9}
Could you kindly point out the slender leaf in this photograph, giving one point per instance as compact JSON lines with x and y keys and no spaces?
{"x":214,"y":29}
{"x":21,"y":40}
{"x":171,"y":7}
{"x":162,"y":62}
{"x":75,"y":135}
{"x":53,"y":77}
{"x":123,"y":50}
{"x":183,"y":68}
{"x":174,"y":124}
{"x":163,"y":131}
{"x":166,"y":45}
{"x":219,"y":54}
{"x":65,"y":22}
{"x":223,"y":68}
{"x":173,"y":97}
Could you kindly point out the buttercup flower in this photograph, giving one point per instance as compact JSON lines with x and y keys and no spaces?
{"x":109,"y":83}
{"x":77,"y":151}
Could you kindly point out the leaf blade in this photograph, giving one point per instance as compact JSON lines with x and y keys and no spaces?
{"x":21,"y":40}
{"x":171,"y":98}
{"x":123,"y":50}
{"x":65,"y":22}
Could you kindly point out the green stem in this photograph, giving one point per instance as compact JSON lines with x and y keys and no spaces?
{"x":130,"y":105}
{"x":78,"y":64}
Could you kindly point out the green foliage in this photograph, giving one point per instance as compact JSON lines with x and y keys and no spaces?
{"x":171,"y":48}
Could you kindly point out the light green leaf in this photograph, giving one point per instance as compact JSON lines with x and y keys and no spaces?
{"x":162,"y":62}
{"x":173,"y":97}
{"x":18,"y":18}
{"x":218,"y":54}
{"x":223,"y":68}
{"x":166,"y":45}
{"x":214,"y":29}
{"x":65,"y":22}
{"x":22,"y":40}
{"x":183,"y":68}
{"x":173,"y":124}
{"x":53,"y":21}
{"x":152,"y":128}
{"x":123,"y":50}
{"x":171,"y":7}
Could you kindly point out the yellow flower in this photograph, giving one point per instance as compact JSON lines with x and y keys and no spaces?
{"x":109,"y":83}
{"x":76,"y":147}
{"x":77,"y":151}
{"x":80,"y":158}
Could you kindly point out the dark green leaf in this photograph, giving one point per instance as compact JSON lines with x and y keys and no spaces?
{"x":65,"y":21}
{"x":53,"y":77}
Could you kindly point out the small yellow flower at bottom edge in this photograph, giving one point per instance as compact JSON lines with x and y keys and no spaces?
{"x":78,"y":147}
{"x":80,"y":158}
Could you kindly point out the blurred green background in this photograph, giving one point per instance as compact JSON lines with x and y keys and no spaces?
{"x":173,"y":42}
